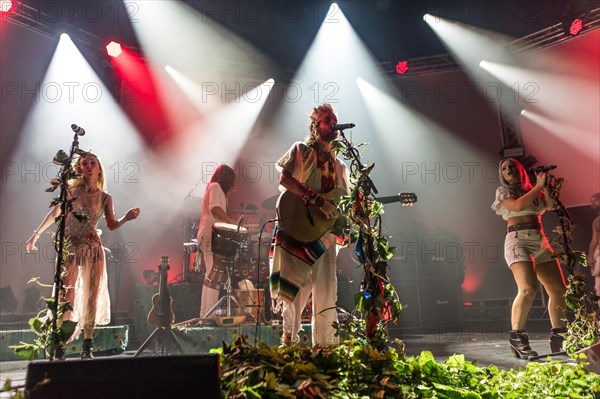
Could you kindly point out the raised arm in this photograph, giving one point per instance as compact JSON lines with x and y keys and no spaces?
{"x":109,"y":213}
{"x":48,"y":220}
{"x":518,"y":204}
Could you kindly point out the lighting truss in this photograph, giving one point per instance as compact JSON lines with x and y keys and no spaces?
{"x":528,"y":44}
{"x":554,"y":34}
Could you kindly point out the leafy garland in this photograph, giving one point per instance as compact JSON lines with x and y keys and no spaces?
{"x":584,"y":330}
{"x":51,"y":331}
{"x":378,"y":301}
{"x":353,"y":370}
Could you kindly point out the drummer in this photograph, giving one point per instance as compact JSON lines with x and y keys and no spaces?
{"x":214,"y":209}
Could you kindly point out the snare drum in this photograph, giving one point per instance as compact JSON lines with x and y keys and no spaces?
{"x":226,"y":238}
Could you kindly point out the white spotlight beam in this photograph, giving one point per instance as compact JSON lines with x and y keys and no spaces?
{"x":468,"y":44}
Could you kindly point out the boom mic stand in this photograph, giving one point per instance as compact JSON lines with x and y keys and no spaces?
{"x":65,"y":174}
{"x":565,"y":221}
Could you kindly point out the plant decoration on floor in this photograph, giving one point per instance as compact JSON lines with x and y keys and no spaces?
{"x":53,"y":332}
{"x":354,"y":370}
{"x":584,"y":330}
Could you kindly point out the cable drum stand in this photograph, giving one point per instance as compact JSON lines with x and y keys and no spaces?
{"x":228,"y":297}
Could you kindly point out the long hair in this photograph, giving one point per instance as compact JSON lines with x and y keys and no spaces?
{"x":524,"y":185}
{"x":75,"y":183}
{"x":225,"y":176}
{"x":315,"y":117}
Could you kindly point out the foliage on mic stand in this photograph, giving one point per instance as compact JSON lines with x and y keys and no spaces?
{"x":52,"y":336}
{"x":378,"y":301}
{"x":584,"y":330}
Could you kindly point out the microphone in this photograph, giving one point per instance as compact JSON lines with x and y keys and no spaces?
{"x":343,"y":126}
{"x":542,"y":168}
{"x":79,"y":130}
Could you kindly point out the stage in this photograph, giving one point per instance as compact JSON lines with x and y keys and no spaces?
{"x":485,"y":348}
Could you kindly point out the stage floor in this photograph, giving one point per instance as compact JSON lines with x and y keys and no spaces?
{"x":483,"y":348}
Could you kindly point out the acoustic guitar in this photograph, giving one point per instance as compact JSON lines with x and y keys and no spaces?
{"x":161,"y":314}
{"x":307,"y":224}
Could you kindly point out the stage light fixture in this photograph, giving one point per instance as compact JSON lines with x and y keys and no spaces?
{"x":402,"y":67}
{"x":5,"y":5}
{"x":113,"y":49}
{"x":576,"y":26}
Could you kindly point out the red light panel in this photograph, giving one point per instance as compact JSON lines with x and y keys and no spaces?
{"x":576,"y":26}
{"x":402,"y":67}
{"x":113,"y":49}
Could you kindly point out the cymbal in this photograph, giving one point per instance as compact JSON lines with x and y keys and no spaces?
{"x":270,"y":202}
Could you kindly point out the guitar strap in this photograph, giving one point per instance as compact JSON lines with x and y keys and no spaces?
{"x":327,"y":171}
{"x":328,"y":176}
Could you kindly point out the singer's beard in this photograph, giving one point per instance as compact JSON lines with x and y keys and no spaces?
{"x":329,"y":136}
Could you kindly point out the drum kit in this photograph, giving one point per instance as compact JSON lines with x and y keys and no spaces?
{"x":241,"y":258}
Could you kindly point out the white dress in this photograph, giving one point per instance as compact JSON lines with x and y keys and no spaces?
{"x":86,"y":279}
{"x":213,"y":197}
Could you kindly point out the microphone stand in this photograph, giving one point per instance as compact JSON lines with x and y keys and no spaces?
{"x":189,"y":195}
{"x":372,"y":284}
{"x":59,"y":241}
{"x":579,"y":300}
{"x":352,"y":152}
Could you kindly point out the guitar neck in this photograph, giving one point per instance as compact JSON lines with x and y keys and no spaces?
{"x":405,"y":198}
{"x":389,"y":199}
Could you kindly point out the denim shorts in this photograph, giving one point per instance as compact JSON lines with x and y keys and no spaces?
{"x":530,"y":245}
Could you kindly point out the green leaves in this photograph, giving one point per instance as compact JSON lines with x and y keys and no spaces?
{"x":26,"y":351}
{"x":354,"y":370}
{"x":61,"y":158}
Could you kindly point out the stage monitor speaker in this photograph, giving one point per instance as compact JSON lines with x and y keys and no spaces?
{"x":120,"y":377}
{"x":441,"y":305}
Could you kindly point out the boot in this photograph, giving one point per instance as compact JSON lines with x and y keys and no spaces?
{"x":287,"y":342}
{"x":59,"y":353}
{"x":86,"y":349}
{"x":557,"y":338}
{"x":519,"y":344}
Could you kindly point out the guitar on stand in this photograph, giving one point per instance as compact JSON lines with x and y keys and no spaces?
{"x":161,"y":315}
